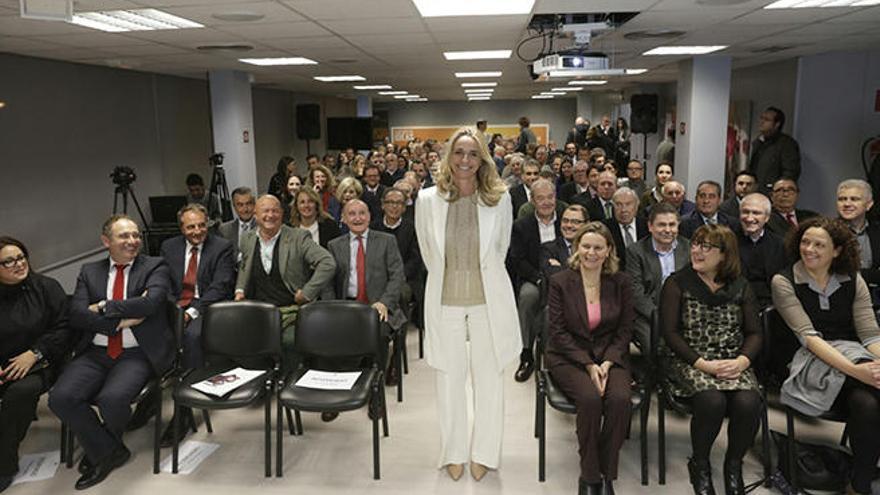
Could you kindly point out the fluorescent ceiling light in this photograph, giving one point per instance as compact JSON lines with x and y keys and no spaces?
{"x":477,"y":55}
{"x":567,"y":89}
{"x":448,"y":8}
{"x":479,"y":85}
{"x":403,"y":97}
{"x":479,"y":98}
{"x":801,"y":4}
{"x":118,"y":21}
{"x":339,"y":78}
{"x":392,"y":93}
{"x":418,"y":99}
{"x":635,"y":72}
{"x":411,"y":97}
{"x":374,"y":86}
{"x":278,"y":61}
{"x":592,"y":82}
{"x":480,"y":90}
{"x":542,"y":97}
{"x":684,"y":50}
{"x":462,"y":75}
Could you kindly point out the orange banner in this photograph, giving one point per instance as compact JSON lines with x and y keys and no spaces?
{"x":400,"y":135}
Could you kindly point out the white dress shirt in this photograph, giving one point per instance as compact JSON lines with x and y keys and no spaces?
{"x":266,"y":250}
{"x":547,"y":231}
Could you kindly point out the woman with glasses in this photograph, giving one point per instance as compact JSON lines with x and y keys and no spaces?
{"x":34,"y":339}
{"x":825,"y":301}
{"x":590,"y":327}
{"x":709,"y":320}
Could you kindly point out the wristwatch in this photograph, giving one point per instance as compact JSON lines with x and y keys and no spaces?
{"x":38,"y":354}
{"x":101,"y":306}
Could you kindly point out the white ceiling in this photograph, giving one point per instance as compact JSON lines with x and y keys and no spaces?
{"x":388,"y":42}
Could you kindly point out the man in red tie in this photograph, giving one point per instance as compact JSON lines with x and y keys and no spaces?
{"x":202,"y":267}
{"x":369,"y":269}
{"x":786,"y":215}
{"x":119,"y":306}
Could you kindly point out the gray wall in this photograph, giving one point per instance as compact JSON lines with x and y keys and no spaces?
{"x":767,"y":85}
{"x":559,"y":114}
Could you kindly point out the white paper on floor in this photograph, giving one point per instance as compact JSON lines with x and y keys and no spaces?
{"x":36,"y":467}
{"x":191,"y":454}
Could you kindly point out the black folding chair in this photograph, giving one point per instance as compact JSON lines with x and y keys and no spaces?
{"x":666,"y":400}
{"x":243,"y":334}
{"x":336,"y":336}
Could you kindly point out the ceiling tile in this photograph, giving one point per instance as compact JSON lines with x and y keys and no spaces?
{"x":369,"y":41}
{"x":478,"y":25}
{"x":354,"y":10}
{"x":95,"y":5}
{"x":782,"y":16}
{"x":377,"y":26}
{"x":274,"y":30}
{"x":15,"y":26}
{"x":202,"y":14}
{"x":574,"y":6}
{"x":869,"y":15}
{"x":95,"y":39}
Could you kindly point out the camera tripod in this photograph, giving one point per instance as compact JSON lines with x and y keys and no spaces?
{"x":221,"y":190}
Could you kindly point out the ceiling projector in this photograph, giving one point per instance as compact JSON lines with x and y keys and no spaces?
{"x":575,"y":65}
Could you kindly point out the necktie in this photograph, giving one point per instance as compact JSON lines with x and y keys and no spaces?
{"x":790,"y":217}
{"x":361,"y":271}
{"x":114,"y":342}
{"x":628,"y":238}
{"x":608,"y":211}
{"x":188,"y":288}
{"x":245,"y":228}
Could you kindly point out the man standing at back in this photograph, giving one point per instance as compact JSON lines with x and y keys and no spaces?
{"x":243,"y":202}
{"x":775,"y":155}
{"x":119,"y":305}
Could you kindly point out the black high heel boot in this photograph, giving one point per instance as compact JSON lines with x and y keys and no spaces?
{"x":609,"y":487}
{"x":733,"y":477}
{"x":701,"y":476}
{"x":585,"y":488}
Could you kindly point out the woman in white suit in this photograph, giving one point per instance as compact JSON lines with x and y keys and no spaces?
{"x":463,"y":226}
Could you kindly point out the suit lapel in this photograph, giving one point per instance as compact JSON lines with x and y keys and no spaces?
{"x":487,"y":224}
{"x":345,"y":262}
{"x":441,"y":207}
{"x":134,"y":278}
{"x":576,"y":288}
{"x":283,"y":250}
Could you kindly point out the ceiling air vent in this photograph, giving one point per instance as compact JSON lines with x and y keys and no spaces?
{"x":654,"y":34}
{"x":225,"y":47}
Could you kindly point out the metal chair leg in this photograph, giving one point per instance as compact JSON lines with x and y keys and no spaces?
{"x":63,"y":447}
{"x":643,"y":434}
{"x":403,"y":351}
{"x":381,"y":394}
{"x":299,"y":423}
{"x":792,"y":465}
{"x":290,"y":425}
{"x":399,"y":364}
{"x":157,"y":435}
{"x":421,"y":343}
{"x":661,"y":438}
{"x":279,"y":454}
{"x":540,"y":427}
{"x":175,"y":452}
{"x":206,"y":415}
{"x":375,"y":420}
{"x":765,"y":447}
{"x":267,"y":428}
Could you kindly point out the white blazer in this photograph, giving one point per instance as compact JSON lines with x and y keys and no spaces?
{"x":495,"y":223}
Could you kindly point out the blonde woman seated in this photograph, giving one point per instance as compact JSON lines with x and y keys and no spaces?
{"x":348,"y":189}
{"x":590,"y":327}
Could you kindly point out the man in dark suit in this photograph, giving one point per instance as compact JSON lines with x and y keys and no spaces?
{"x":579,"y":185}
{"x":744,"y":183}
{"x":119,"y":305}
{"x":422,"y":173}
{"x":785,"y":215}
{"x":761,"y":252}
{"x":674,"y":193}
{"x":854,"y":198}
{"x":521,"y":194}
{"x":528,"y":234}
{"x":626,"y":228}
{"x":600,"y":207}
{"x":373,"y":189}
{"x":775,"y":155}
{"x":708,"y":201}
{"x":392,"y":172}
{"x":649,"y":261}
{"x":395,"y":222}
{"x":369,"y":269}
{"x":555,"y":253}
{"x":243,"y":201}
{"x":202,"y":268}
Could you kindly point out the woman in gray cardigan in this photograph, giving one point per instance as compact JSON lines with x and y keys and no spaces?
{"x":826,"y":303}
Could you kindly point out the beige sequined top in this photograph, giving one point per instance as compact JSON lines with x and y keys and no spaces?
{"x":462,"y":282}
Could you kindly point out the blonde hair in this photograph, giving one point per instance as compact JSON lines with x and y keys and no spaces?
{"x":348,"y":184}
{"x":611,"y":263}
{"x":490,"y":187}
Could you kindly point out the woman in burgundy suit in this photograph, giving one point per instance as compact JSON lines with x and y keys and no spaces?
{"x":591,"y":319}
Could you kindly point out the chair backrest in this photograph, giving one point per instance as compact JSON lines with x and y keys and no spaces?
{"x":329,"y":329}
{"x":175,"y":321}
{"x":780,"y":344}
{"x":244,"y":329}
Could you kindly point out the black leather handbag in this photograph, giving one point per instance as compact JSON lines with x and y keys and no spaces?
{"x":819,"y":467}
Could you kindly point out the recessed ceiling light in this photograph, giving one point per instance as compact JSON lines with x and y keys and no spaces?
{"x":339,"y":78}
{"x":480,"y":90}
{"x":801,"y":4}
{"x":278,"y":61}
{"x":448,"y":8}
{"x":479,"y":98}
{"x":2,"y":104}
{"x":587,"y":82}
{"x":119,"y":21}
{"x":684,"y":50}
{"x":542,"y":97}
{"x":462,"y":75}
{"x":567,"y":89}
{"x":238,"y":16}
{"x":479,"y":85}
{"x":392,"y":93}
{"x":478,"y":55}
{"x":374,"y":86}
{"x":552,"y":93}
{"x":412,"y":97}
{"x":404,"y":97}
{"x":635,"y":72}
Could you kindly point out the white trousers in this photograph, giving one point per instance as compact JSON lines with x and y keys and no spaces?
{"x":460,"y":325}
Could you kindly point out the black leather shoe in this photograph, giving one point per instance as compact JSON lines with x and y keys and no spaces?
{"x":701,"y":476}
{"x":100,"y":471}
{"x":84,"y":465}
{"x":525,"y":370}
{"x":609,"y":487}
{"x":328,"y":416}
{"x":585,"y":488}
{"x":733,"y":478}
{"x":187,"y":424}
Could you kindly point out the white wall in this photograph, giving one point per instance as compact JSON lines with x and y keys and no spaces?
{"x":834,"y":114}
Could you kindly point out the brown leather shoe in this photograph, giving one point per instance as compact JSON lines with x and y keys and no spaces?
{"x":478,"y":471}
{"x":455,"y":471}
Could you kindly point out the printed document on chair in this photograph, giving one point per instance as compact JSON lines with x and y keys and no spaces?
{"x":328,"y":380}
{"x":223,"y":383}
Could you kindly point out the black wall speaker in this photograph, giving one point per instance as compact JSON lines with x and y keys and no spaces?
{"x":644,"y":114}
{"x":308,"y":121}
